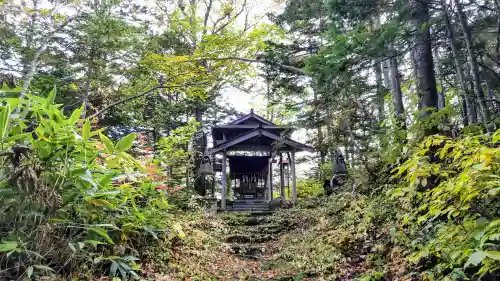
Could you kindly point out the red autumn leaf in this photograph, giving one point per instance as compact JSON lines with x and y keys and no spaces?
{"x":162,"y":187}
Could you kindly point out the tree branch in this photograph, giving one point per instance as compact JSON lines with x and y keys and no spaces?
{"x":34,"y":62}
{"x":231,"y":19}
{"x":207,"y":16}
{"x":106,"y":108}
{"x":290,"y":68}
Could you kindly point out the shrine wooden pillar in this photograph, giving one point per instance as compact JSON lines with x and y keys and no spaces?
{"x":224,"y":182}
{"x":213,"y":179}
{"x":270,"y":178}
{"x":282,"y":179}
{"x":294,"y":180}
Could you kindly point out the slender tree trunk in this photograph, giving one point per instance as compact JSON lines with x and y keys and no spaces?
{"x":88,"y":83}
{"x":351,"y":148}
{"x":269,"y":96}
{"x":321,"y":144}
{"x":380,"y":92}
{"x":441,"y":97}
{"x":497,"y":47}
{"x":470,"y":91}
{"x":474,"y":68}
{"x":378,"y":79}
{"x":31,"y":72}
{"x":385,"y":70}
{"x":413,"y":64}
{"x":397,"y":94}
{"x":470,"y":109}
{"x":426,"y":80}
{"x":329,"y":136}
{"x":199,"y":146}
{"x":465,"y":114}
{"x":491,"y":97}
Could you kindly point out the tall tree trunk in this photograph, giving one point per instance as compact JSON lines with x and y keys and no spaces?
{"x":470,"y":110}
{"x":321,"y":144}
{"x":378,"y":80}
{"x":413,"y":64}
{"x":385,"y":70}
{"x":269,"y":96}
{"x":329,"y":136}
{"x":465,"y":114}
{"x":470,"y":90}
{"x":88,"y":83}
{"x":380,"y":92}
{"x":474,"y":68}
{"x":351,"y":148}
{"x":491,"y":97}
{"x":397,"y":94}
{"x":199,"y":146}
{"x":426,"y":80}
{"x":441,"y":97}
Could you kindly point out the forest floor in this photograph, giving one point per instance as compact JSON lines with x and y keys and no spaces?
{"x":231,"y":246}
{"x":316,"y":241}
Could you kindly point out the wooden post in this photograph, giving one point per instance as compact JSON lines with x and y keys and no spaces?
{"x":270,"y":179}
{"x":294,"y":180}
{"x":224,"y":183}
{"x":213,"y":178}
{"x":282,"y":179}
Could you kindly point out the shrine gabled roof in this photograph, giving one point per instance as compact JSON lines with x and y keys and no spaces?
{"x":251,"y":117}
{"x":256,"y":133}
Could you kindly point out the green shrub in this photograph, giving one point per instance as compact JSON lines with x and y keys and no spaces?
{"x":450,"y":193}
{"x":309,"y":188}
{"x":70,"y":197}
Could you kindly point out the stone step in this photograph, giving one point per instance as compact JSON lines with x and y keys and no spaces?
{"x":251,"y":205}
{"x":250,"y":251}
{"x":250,"y":209}
{"x":270,"y":229}
{"x":262,"y":213}
{"x":248,"y":220}
{"x":254,"y":238}
{"x":250,"y":202}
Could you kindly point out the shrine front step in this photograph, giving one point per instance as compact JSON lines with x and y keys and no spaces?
{"x":250,"y":209}
{"x":251,"y":201}
{"x":250,"y":205}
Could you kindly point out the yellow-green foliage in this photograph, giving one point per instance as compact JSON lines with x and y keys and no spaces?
{"x":450,"y":192}
{"x":309,"y":188}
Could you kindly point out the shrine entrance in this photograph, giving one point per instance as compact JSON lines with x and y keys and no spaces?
{"x":248,"y":175}
{"x":250,"y":145}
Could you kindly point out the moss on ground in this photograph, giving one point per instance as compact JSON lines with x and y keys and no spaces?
{"x":345,"y":237}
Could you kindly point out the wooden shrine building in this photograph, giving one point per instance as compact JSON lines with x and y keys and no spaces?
{"x":249,"y":146}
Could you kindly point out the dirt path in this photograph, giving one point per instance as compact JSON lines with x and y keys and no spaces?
{"x":244,"y":246}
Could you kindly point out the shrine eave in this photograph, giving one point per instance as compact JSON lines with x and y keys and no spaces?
{"x":259,"y":132}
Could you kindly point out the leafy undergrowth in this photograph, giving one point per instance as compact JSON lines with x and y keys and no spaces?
{"x":342,"y":237}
